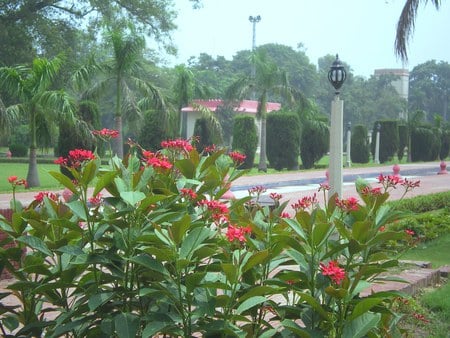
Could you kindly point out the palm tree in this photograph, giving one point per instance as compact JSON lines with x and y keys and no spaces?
{"x":124,"y":72}
{"x":268,"y":80}
{"x":31,"y":87}
{"x":405,"y":25}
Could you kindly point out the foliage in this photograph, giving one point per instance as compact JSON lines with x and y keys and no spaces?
{"x":424,"y":203}
{"x":245,"y":138}
{"x":402,"y":140}
{"x":18,"y":150}
{"x":283,"y":140}
{"x":158,"y":253}
{"x":425,"y":144}
{"x":203,"y":132}
{"x":153,"y":131}
{"x":389,"y":139}
{"x":360,"y":152}
{"x":314,"y":142}
{"x":438,"y":301}
{"x":445,"y":143}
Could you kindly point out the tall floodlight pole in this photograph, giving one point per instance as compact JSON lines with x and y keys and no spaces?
{"x":254,"y":20}
{"x":377,"y":144}
{"x":349,"y":142}
{"x":336,"y":76}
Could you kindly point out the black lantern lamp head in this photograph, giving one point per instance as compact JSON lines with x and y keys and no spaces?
{"x":337,"y":74}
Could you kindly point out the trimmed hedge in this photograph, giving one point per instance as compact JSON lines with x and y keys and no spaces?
{"x":18,"y":150}
{"x":359,"y":147}
{"x":445,"y":144}
{"x":203,"y":131}
{"x":389,"y":139}
{"x":423,"y":203}
{"x":425,"y":144}
{"x":153,"y":131}
{"x":314,"y":143}
{"x":283,"y":140}
{"x":245,"y":138}
{"x":402,"y":140}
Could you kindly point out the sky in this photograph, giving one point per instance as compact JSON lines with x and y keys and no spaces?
{"x":362,"y":32}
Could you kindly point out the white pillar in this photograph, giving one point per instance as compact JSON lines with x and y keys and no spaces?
{"x":336,"y":146}
{"x":349,"y":140}
{"x":377,"y":147}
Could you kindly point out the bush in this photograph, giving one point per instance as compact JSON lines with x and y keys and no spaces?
{"x":153,"y":131}
{"x":424,"y":203}
{"x":283,"y":141}
{"x":359,"y":150}
{"x":425,"y":144}
{"x":245,"y":138}
{"x":18,"y":150}
{"x":205,"y":136}
{"x":314,"y":143}
{"x":402,"y":140}
{"x":445,"y":144}
{"x":389,"y":139}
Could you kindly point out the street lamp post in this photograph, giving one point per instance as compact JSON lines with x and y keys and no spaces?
{"x":377,"y":144}
{"x":336,"y":76}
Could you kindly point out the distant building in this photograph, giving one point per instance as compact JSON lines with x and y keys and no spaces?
{"x":401,"y":84}
{"x":249,"y":107}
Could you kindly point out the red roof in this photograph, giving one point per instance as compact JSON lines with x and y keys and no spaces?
{"x":245,"y":106}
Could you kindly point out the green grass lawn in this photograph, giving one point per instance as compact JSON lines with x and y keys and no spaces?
{"x":435,"y":251}
{"x":20,"y":170}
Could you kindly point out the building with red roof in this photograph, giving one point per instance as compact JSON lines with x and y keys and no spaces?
{"x":249,"y":107}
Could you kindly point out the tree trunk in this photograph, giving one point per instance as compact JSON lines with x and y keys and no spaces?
{"x":262,"y":152}
{"x":33,"y":175}
{"x":118,"y":142}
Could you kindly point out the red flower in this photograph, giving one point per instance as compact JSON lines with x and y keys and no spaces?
{"x":185,"y":192}
{"x":410,"y":232}
{"x":106,"y":133}
{"x":210,"y":149}
{"x":285,"y":215}
{"x":324,"y":187}
{"x":218,"y":209}
{"x":275,"y":196}
{"x":259,"y":189}
{"x":238,"y":233}
{"x":76,"y":158}
{"x":156,"y":160}
{"x":371,"y":191}
{"x":12,"y":179}
{"x":96,"y":200}
{"x":178,"y":144}
{"x":40,"y":196}
{"x":237,"y":157}
{"x":333,"y":270}
{"x":347,"y":205}
{"x":305,"y":202}
{"x":382,"y":228}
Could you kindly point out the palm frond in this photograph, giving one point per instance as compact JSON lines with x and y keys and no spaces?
{"x":7,"y":118}
{"x":406,"y":25}
{"x":213,"y":122}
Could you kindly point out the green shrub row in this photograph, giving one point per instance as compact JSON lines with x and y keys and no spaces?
{"x":424,"y":203}
{"x":245,"y":138}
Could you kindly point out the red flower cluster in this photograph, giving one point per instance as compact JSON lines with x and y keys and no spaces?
{"x":258,"y":190}
{"x":40,"y":196}
{"x":275,"y":196}
{"x":285,"y":215}
{"x":305,"y":202}
{"x":238,"y":233}
{"x":189,"y":193}
{"x":347,"y":205}
{"x":333,"y":270}
{"x":210,"y":149}
{"x":15,"y":181}
{"x":237,"y":157}
{"x":178,"y":144}
{"x":371,"y":191}
{"x":96,"y":200}
{"x":156,"y":160}
{"x":420,"y":317}
{"x":76,"y":158}
{"x":218,"y":209}
{"x":324,"y":187}
{"x":106,"y":133}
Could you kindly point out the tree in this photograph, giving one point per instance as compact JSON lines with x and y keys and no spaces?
{"x":268,"y":80}
{"x":123,"y":71}
{"x":31,"y":87}
{"x":405,"y":25}
{"x":430,"y":88}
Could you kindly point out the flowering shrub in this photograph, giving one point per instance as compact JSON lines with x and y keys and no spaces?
{"x":152,"y":250}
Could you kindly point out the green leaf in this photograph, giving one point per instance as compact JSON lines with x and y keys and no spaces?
{"x":314,"y":303}
{"x":361,"y":325}
{"x":71,"y":250}
{"x":149,"y":262}
{"x":320,"y":232}
{"x":360,"y":231}
{"x":89,"y":172}
{"x":295,"y":328}
{"x":64,"y":180}
{"x":132,"y":197}
{"x":99,"y":299}
{"x":193,"y":280}
{"x":294,"y":225}
{"x":230,"y":271}
{"x":179,"y":228}
{"x":256,"y":258}
{"x":193,"y":241}
{"x":35,"y":243}
{"x":364,"y":305}
{"x":103,"y":181}
{"x":127,"y":325}
{"x":186,"y":167}
{"x":336,"y":293}
{"x":249,"y":303}
{"x":79,"y":209}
